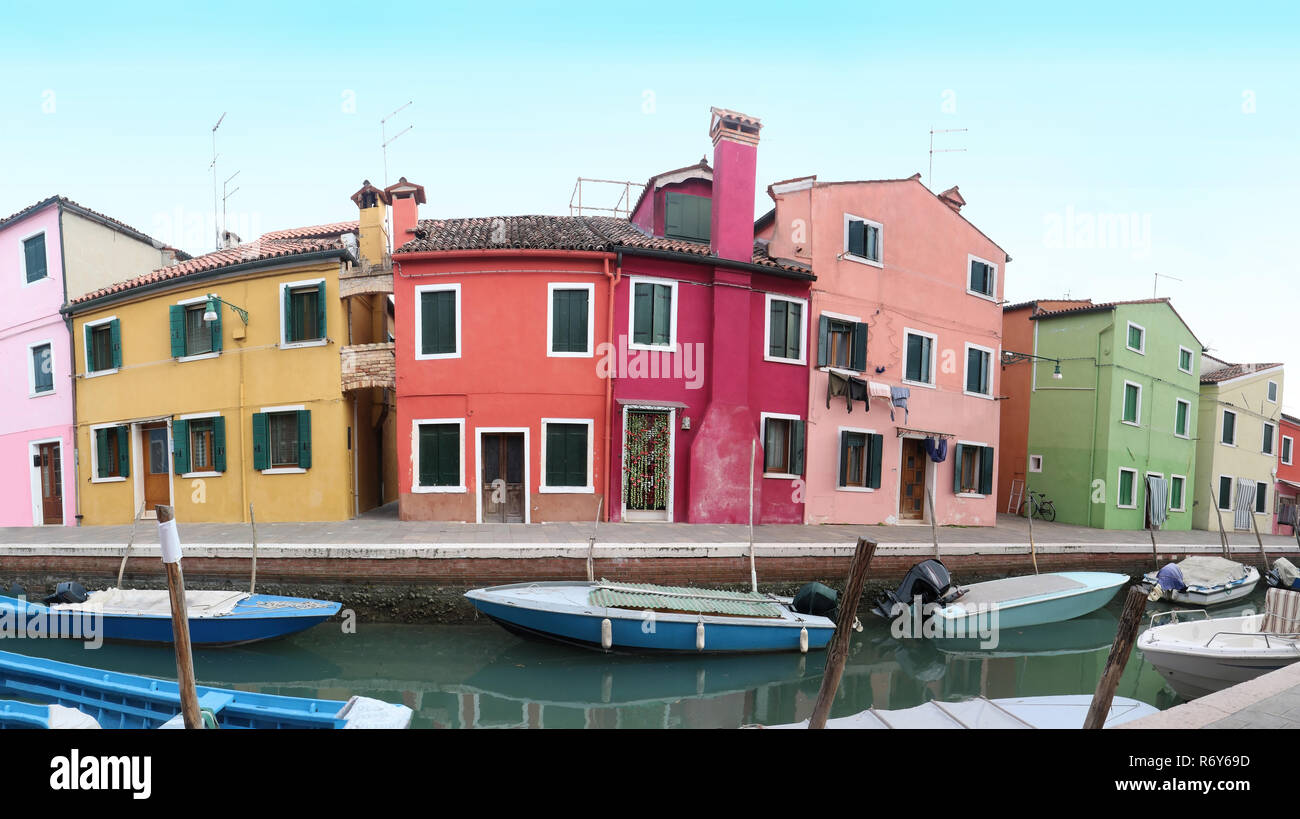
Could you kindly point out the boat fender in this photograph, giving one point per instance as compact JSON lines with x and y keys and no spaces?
{"x":803,"y":641}
{"x":69,"y":591}
{"x":606,"y":634}
{"x":699,"y":635}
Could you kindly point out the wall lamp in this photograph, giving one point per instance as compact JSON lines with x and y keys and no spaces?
{"x":215,"y":301}
{"x":1010,"y":357}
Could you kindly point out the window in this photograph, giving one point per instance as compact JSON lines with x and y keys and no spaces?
{"x":978,"y":375}
{"x":190,"y":334}
{"x":1177,"y":490}
{"x":103,"y":346}
{"x":983,"y":277}
{"x":566,"y":448}
{"x":304,"y":312}
{"x":860,"y":459}
{"x":1185,"y":360}
{"x":1272,"y":392}
{"x":786,"y":329}
{"x":199,"y":444}
{"x":439,"y":444}
{"x":1261,"y":498}
{"x":1229,"y":435}
{"x":841,"y":343}
{"x":1287,"y":443}
{"x":437,"y":330}
{"x":1182,"y":413}
{"x":783,"y":445}
{"x":1132,"y":413}
{"x":653,"y":310}
{"x":973,"y":470}
{"x":111,"y":452}
{"x":862,"y":239}
{"x":42,"y":368}
{"x":919,"y":350}
{"x":1035,"y":463}
{"x":1267,"y":446}
{"x":1137,"y":338}
{"x":1127,"y":498}
{"x":1225,"y":492}
{"x":569,"y":330}
{"x":282,"y":439}
{"x":687,"y":217}
{"x":34,"y":267}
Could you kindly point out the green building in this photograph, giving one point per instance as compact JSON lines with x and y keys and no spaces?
{"x":1117,"y":427}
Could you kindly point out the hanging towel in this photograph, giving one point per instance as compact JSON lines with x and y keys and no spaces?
{"x":853,"y":389}
{"x":1157,"y":501}
{"x":1245,"y":504}
{"x":879,"y":390}
{"x":937,"y":449}
{"x":899,"y":396}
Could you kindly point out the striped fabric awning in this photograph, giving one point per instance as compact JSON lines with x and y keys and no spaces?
{"x":1281,"y":612}
{"x":1245,"y":505}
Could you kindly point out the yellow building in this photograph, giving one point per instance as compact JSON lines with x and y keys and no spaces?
{"x":259,"y":375}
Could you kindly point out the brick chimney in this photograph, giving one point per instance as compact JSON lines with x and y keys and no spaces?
{"x":952,"y":198}
{"x":372,"y":239}
{"x":404,"y":197}
{"x":735,"y":160}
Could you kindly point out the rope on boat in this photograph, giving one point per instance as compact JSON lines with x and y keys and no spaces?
{"x":121,"y":569}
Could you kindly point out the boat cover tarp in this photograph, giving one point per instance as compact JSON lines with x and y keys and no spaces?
{"x":1019,"y":712}
{"x":1206,"y":571}
{"x":364,"y":712}
{"x":64,"y":717}
{"x":198,"y":603}
{"x":1008,"y":589}
{"x":683,"y":598}
{"x":1286,"y":572}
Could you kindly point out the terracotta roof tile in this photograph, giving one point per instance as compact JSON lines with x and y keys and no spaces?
{"x":93,"y":214}
{"x":332,"y":230}
{"x":1234,"y":371}
{"x":1111,"y":305}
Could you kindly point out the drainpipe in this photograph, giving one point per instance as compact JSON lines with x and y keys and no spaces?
{"x":613,"y":279}
{"x":72,"y":380}
{"x":1096,"y":401}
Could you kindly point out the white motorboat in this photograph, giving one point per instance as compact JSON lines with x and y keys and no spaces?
{"x":1200,"y":655}
{"x":1204,"y":580}
{"x":1066,"y":711}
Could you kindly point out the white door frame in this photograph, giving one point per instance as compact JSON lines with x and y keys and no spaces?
{"x":478,"y":471}
{"x":137,"y":465}
{"x":931,"y":474}
{"x":38,"y":502}
{"x":672,"y":465}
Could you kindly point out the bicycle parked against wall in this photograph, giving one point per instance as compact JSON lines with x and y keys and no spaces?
{"x":1040,"y":504}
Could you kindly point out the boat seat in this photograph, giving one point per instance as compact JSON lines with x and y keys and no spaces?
{"x":215,"y":701}
{"x":1281,"y":612}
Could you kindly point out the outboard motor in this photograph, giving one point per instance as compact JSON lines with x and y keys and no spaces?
{"x":928,"y":580}
{"x":69,"y":591}
{"x":1170,"y":578}
{"x":817,"y":600}
{"x":1283,"y":575}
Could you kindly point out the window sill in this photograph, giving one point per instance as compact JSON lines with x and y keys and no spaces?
{"x":293,"y":345}
{"x":854,"y":489}
{"x":41,"y":394}
{"x":802,"y":362}
{"x":1137,"y":424}
{"x":423,"y":490}
{"x":554,"y":354}
{"x":919,"y":384}
{"x":98,"y":373}
{"x":1132,"y":506}
{"x":436,"y":356}
{"x":656,"y":348}
{"x":1225,"y":443}
{"x":983,"y":395}
{"x":204,"y":474}
{"x":44,"y":278}
{"x":986,"y":296}
{"x":284,"y":470}
{"x":107,"y":480}
{"x":1184,"y":437}
{"x":198,"y":356}
{"x":970,"y":495}
{"x":1184,"y":372}
{"x":566,"y":490}
{"x":849,"y":257}
{"x":1139,"y":352}
{"x":783,"y":476}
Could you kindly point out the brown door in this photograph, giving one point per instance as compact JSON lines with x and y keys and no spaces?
{"x":503,"y":477}
{"x":911,"y":499}
{"x":49,"y":460}
{"x":157,"y":482}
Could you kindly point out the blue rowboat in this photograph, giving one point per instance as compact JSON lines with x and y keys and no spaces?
{"x":1028,"y":600}
{"x":14,"y":714}
{"x":1051,"y":713}
{"x":128,"y":701}
{"x":217,"y":618}
{"x":639,"y":617}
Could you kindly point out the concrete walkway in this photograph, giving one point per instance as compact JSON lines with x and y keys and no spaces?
{"x":1270,"y":701}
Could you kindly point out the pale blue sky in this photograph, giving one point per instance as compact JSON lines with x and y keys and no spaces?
{"x":1180,"y":120}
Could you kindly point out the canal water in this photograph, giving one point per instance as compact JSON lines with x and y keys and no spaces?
{"x":480,"y":676}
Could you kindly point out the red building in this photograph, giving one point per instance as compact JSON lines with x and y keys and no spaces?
{"x":1288,"y":477}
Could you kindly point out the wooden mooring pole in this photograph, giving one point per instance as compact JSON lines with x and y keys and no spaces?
{"x":838,"y":652}
{"x":171,"y":556}
{"x":252,"y":522}
{"x":1223,"y":535}
{"x":1134,"y":607}
{"x":934,"y":525}
{"x":1262,"y":554}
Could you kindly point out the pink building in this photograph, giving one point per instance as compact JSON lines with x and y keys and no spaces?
{"x":906,"y":316}
{"x":47,"y":250}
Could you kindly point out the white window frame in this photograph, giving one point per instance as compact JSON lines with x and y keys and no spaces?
{"x":94,"y":453}
{"x":837,"y":317}
{"x":590,"y":487}
{"x":22,"y":258}
{"x":1187,"y":434}
{"x":965,"y":375}
{"x":993,"y":296}
{"x":1127,"y":330}
{"x":416,"y":486}
{"x":1032,"y":468}
{"x":85,"y":347}
{"x":420,"y":290}
{"x":981,"y":446}
{"x":1232,"y":490}
{"x":31,"y":370}
{"x":1222,"y":417}
{"x":551,"y":287}
{"x":1271,"y":387}
{"x":214,"y":353}
{"x":839,"y":443}
{"x":1122,"y":397}
{"x":934,"y":349}
{"x":633,"y":281}
{"x":1288,"y":448}
{"x":280,"y":470}
{"x":1119,"y":487}
{"x":1182,"y":507}
{"x":764,"y":417}
{"x":285,"y":344}
{"x":193,"y":416}
{"x":880,"y":242}
{"x":803,"y":329}
{"x":1263,"y":436}
{"x":1191,"y":361}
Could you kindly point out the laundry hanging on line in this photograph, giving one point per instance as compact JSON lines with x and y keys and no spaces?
{"x":937,"y":449}
{"x":853,"y":389}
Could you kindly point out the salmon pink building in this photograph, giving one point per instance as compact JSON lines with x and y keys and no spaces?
{"x":1288,"y":476}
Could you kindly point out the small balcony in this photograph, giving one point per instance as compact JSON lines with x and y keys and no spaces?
{"x":368,"y":366}
{"x":363,"y":280}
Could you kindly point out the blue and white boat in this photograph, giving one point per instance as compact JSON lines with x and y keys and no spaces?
{"x":634,"y":617}
{"x":115,"y":700}
{"x":1204,"y":580}
{"x":1051,"y":713}
{"x":217,"y":618}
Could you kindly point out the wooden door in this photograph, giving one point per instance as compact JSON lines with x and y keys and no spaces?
{"x":647,"y":465}
{"x":911,"y":498}
{"x":157,"y":476}
{"x":49,"y":461}
{"x":503,"y":477}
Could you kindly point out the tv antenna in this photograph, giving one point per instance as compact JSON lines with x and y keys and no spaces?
{"x":213,"y":166}
{"x":1155,"y":281}
{"x":225,"y":196}
{"x":933,"y":150}
{"x":383,"y":131}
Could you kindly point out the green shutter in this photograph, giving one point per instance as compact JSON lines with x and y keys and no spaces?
{"x":304,"y":439}
{"x":776,"y":321}
{"x":958,"y":453}
{"x":321,"y":326}
{"x":115,"y":337}
{"x":986,"y":471}
{"x":102,"y":467}
{"x":794,"y":330}
{"x":90,"y":350}
{"x":674,"y":215}
{"x":823,"y":340}
{"x":177,"y":315}
{"x":576,"y":455}
{"x":858,"y":360}
{"x":875,"y":456}
{"x":34,"y":251}
{"x":687,"y":216}
{"x":663,"y":305}
{"x":797,"y":438}
{"x":181,"y":446}
{"x":555,"y":454}
{"x":845,"y":438}
{"x":857,"y":238}
{"x":124,"y":451}
{"x":427,"y":458}
{"x":261,"y":442}
{"x":216,"y":330}
{"x":219,"y":444}
{"x":569,"y":321}
{"x":642,"y":309}
{"x":449,"y":455}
